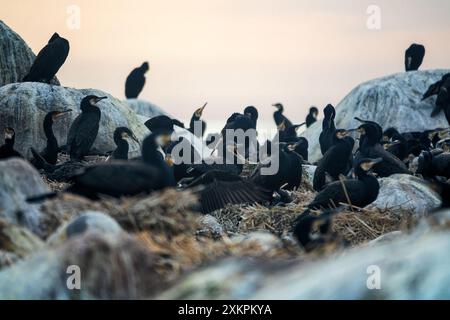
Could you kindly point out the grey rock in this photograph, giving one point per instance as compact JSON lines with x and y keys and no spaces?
{"x":88,"y":221}
{"x":111,"y":267}
{"x":16,"y":58}
{"x":19,"y":181}
{"x":17,"y":240}
{"x":308,"y":172}
{"x":392,"y":101}
{"x":406,"y":192}
{"x":24,"y":106}
{"x":145,"y":108}
{"x":7,"y":259}
{"x":410,"y":267}
{"x":385,"y":238}
{"x":265,"y":240}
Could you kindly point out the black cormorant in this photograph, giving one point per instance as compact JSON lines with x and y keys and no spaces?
{"x":414,"y":57}
{"x":253,"y":114}
{"x":121,"y":137}
{"x":435,"y":88}
{"x":279,"y":117}
{"x":84,"y":129}
{"x":314,"y":231}
{"x":336,"y":161}
{"x":370,"y":147}
{"x":430,"y":165}
{"x":197,"y":117}
{"x":312,"y":116}
{"x":7,"y":150}
{"x":50,"y":153}
{"x":326,"y":137}
{"x":360,"y":192}
{"x":135,"y":81}
{"x":49,"y":60}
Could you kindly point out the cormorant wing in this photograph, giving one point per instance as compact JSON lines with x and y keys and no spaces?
{"x":84,"y":130}
{"x":388,"y":158}
{"x":50,"y":56}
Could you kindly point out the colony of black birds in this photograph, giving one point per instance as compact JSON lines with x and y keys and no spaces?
{"x":345,"y":176}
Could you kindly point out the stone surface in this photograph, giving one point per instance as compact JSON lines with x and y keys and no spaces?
{"x":17,"y":240}
{"x":144,"y":108}
{"x":88,"y":221}
{"x":16,"y":57}
{"x":19,"y":181}
{"x":24,"y":106}
{"x":111,"y":267}
{"x":412,"y":267}
{"x":406,"y":192}
{"x":210,"y":226}
{"x":392,"y":101}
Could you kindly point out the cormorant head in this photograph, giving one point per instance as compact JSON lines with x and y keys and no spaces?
{"x":367,"y":164}
{"x":123,"y":133}
{"x":279,"y":106}
{"x":162,"y":128}
{"x":90,"y":101}
{"x":9,"y":133}
{"x":389,"y":133}
{"x":314,"y":112}
{"x":55,"y":115}
{"x":198,"y":113}
{"x":145,"y":66}
{"x":329,"y":111}
{"x":54,"y":37}
{"x":251,"y":112}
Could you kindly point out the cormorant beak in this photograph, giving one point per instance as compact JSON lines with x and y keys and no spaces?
{"x":276,"y":105}
{"x":61,"y":113}
{"x":360,"y":120}
{"x":199,"y":111}
{"x":352,"y":130}
{"x":135,"y":139}
{"x":100,"y":99}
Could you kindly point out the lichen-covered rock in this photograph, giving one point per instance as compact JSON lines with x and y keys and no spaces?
{"x":24,"y":106}
{"x":16,"y":58}
{"x":392,"y":101}
{"x":19,"y":181}
{"x":88,"y":221}
{"x":402,"y":192}
{"x":111,"y":267}
{"x":145,"y":108}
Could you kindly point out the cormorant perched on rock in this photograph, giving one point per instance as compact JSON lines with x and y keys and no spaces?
{"x":370,"y":147}
{"x":435,"y":88}
{"x":50,"y":153}
{"x":49,"y":60}
{"x":196,"y":117}
{"x":124,"y":178}
{"x":279,"y":117}
{"x":397,"y":143}
{"x":84,"y":129}
{"x":336,"y":161}
{"x":414,"y":57}
{"x":361,"y":191}
{"x":253,"y":114}
{"x":379,"y":130}
{"x":326,"y":137}
{"x":312,"y":116}
{"x":434,"y":165}
{"x":135,"y":81}
{"x":7,"y":150}
{"x":161,"y":125}
{"x":289,"y":135}
{"x":121,"y":137}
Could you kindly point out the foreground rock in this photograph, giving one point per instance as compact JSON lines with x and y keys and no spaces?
{"x":24,"y":106}
{"x":19,"y":181}
{"x":18,"y":241}
{"x":402,"y":192}
{"x":16,"y":57}
{"x":112,"y":267}
{"x":412,"y":267}
{"x":392,"y":101}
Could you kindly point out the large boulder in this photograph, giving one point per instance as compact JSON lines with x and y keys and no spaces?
{"x":392,"y":101}
{"x":16,"y":57}
{"x":110,"y":266}
{"x":402,"y":192}
{"x":145,"y":108}
{"x":409,"y":267}
{"x":19,"y":181}
{"x":23,"y":106}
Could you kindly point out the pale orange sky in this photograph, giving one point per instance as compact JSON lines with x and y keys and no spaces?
{"x":234,"y":53}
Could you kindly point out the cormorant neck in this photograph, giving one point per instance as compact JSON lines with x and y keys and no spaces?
{"x":9,"y":143}
{"x":48,"y":129}
{"x":122,"y":148}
